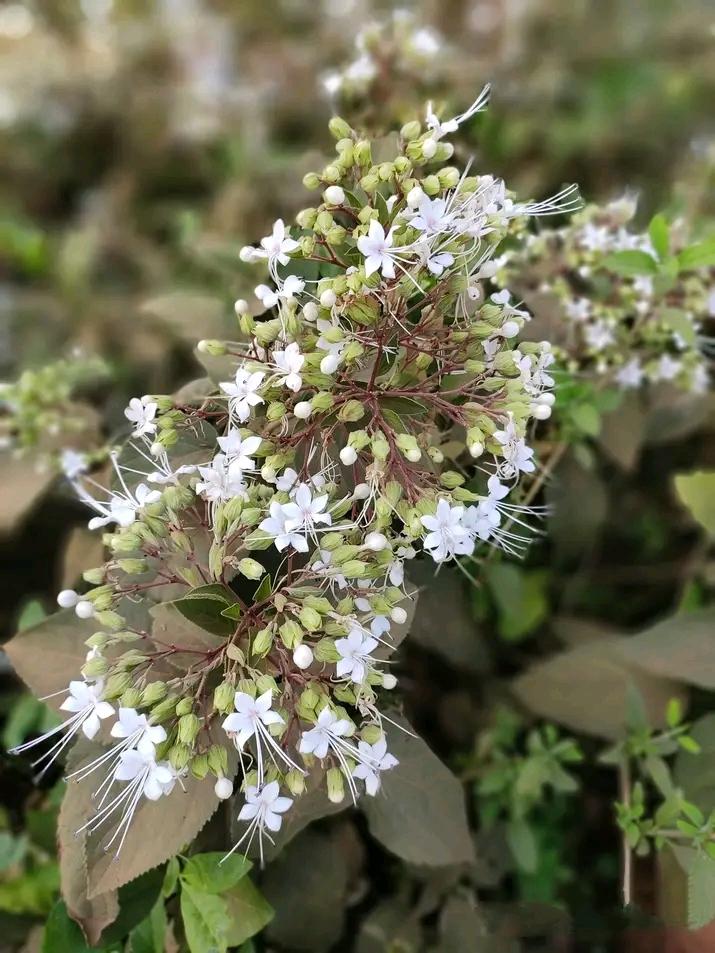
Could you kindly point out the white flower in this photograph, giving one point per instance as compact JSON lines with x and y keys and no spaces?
{"x":73,"y":463}
{"x":265,"y":804}
{"x":517,"y":456}
{"x":242,"y":392}
{"x":122,"y":508}
{"x":437,"y":263}
{"x":376,"y":249}
{"x":239,"y":450}
{"x":373,"y":760}
{"x":290,"y":361}
{"x":578,"y":310}
{"x":282,"y":529}
{"x":276,"y":246}
{"x":153,"y":779}
{"x":666,"y":369}
{"x":250,"y":714}
{"x":141,"y":413}
{"x":222,"y":480}
{"x":598,"y":335}
{"x":440,"y":129}
{"x":432,"y":216}
{"x":304,"y":510}
{"x":328,"y":731}
{"x":269,"y":297}
{"x":133,"y":725}
{"x":354,"y":654}
{"x":630,"y":376}
{"x":447,"y":535}
{"x":85,"y":700}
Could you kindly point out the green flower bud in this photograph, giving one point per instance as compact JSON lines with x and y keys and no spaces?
{"x":354,"y":568}
{"x":189,"y":727}
{"x":310,"y":619}
{"x":223,"y":697}
{"x":325,"y":651}
{"x":332,"y":173}
{"x":133,"y":567}
{"x":131,"y":698}
{"x":265,"y":683}
{"x":218,"y":760}
{"x":247,"y":324}
{"x":371,"y":734}
{"x":164,"y":710}
{"x":94,"y":576}
{"x":311,"y":180}
{"x":262,"y":643}
{"x":351,"y":411}
{"x":200,"y":766}
{"x":364,"y":311}
{"x":336,"y":786}
{"x":291,"y":634}
{"x":431,"y":185}
{"x":323,"y":222}
{"x":339,"y":129}
{"x":411,"y":130}
{"x":322,"y":401}
{"x":363,"y":152}
{"x":179,"y":756}
{"x":116,"y":685}
{"x":369,"y":183}
{"x":451,"y":479}
{"x":110,"y":620}
{"x":95,"y":668}
{"x":306,"y":217}
{"x":215,"y":348}
{"x":295,"y":782}
{"x":448,"y":177}
{"x":153,"y":693}
{"x":184,"y":707}
{"x":251,"y":568}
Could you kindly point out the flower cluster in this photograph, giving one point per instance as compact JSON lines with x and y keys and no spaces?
{"x":260,"y":523}
{"x":41,"y":411}
{"x":633,"y":306}
{"x":396,"y":60}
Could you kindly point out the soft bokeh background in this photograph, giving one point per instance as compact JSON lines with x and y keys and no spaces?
{"x":141,"y":144}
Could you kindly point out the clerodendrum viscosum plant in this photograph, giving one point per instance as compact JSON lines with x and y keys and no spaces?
{"x":258,"y":526}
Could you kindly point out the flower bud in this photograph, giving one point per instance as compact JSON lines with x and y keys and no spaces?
{"x":388,"y":681}
{"x":348,"y":456}
{"x":116,"y":685}
{"x":376,"y":542}
{"x":200,"y":766}
{"x":339,"y":128}
{"x":325,"y":651}
{"x":411,"y":130}
{"x":334,"y":195}
{"x":131,"y":698}
{"x":451,"y":479}
{"x":310,"y":619}
{"x":303,"y":409}
{"x":179,"y":757}
{"x":351,"y":411}
{"x":84,"y":609}
{"x":218,"y":760}
{"x":399,"y":615}
{"x":328,"y":298}
{"x":262,"y":643}
{"x":223,"y":789}
{"x":290,"y":633}
{"x":215,"y":348}
{"x":153,"y":693}
{"x":429,"y":148}
{"x":67,"y":599}
{"x":311,"y":180}
{"x":295,"y":782}
{"x":336,"y":786}
{"x":189,"y":726}
{"x":303,"y":656}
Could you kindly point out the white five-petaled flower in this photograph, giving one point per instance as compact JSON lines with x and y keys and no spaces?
{"x":354,"y":651}
{"x":305,"y":510}
{"x":269,"y":297}
{"x":155,"y":778}
{"x":517,"y":456}
{"x":240,"y":450}
{"x":85,"y":700}
{"x":122,"y":508}
{"x":373,"y":759}
{"x":222,"y":480}
{"x":277,"y":246}
{"x":133,"y":725}
{"x":289,"y":362}
{"x":263,"y":808}
{"x":252,"y":718}
{"x":432,"y":216}
{"x":447,"y":535}
{"x":242,"y":392}
{"x":326,"y":734}
{"x":141,"y":414}
{"x":376,"y":247}
{"x":283,"y":530}
{"x":440,"y":129}
{"x":630,"y":376}
{"x":667,"y":368}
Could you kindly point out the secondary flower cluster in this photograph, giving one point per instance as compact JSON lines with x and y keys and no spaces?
{"x":262,"y":518}
{"x":632,"y":307}
{"x":42,"y":413}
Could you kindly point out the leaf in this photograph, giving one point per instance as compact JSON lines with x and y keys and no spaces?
{"x":415,"y":793}
{"x":522,"y":844}
{"x":701,"y":255}
{"x":26,"y":715}
{"x":214,"y":872}
{"x":680,"y":647}
{"x":701,"y":891}
{"x":83,"y":550}
{"x":697,"y":492}
{"x":586,"y":418}
{"x":204,"y":607}
{"x":631,"y":262}
{"x":148,"y":937}
{"x":32,"y":613}
{"x":185,"y":311}
{"x":659,"y":233}
{"x":309,"y":898}
{"x":587,"y":688}
{"x":136,"y":901}
{"x":62,"y":935}
{"x":49,"y":655}
{"x":96,"y":913}
{"x":23,"y":481}
{"x":264,"y":590}
{"x":248,"y":911}
{"x":452,"y":635}
{"x":233,"y":612}
{"x":520,"y":596}
{"x":622,"y":432}
{"x":171,"y":627}
{"x":680,"y":323}
{"x":206,"y":920}
{"x":158,"y":831}
{"x":696,"y":774}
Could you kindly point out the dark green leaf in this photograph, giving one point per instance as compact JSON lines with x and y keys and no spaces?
{"x":206,"y":920}
{"x":248,"y":911}
{"x":204,"y":607}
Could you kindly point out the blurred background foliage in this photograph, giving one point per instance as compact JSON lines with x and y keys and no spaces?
{"x":142,"y":142}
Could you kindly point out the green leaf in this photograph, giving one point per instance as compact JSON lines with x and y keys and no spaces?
{"x":522,"y":844}
{"x":206,"y":920}
{"x":136,"y":900}
{"x":233,"y":612}
{"x":212,"y":873}
{"x":32,"y":613}
{"x":701,"y":255}
{"x":586,"y":418}
{"x":404,"y":406}
{"x":659,"y":233}
{"x":62,"y":935}
{"x":248,"y":911}
{"x":149,"y":936}
{"x":678,"y":322}
{"x":413,"y":794}
{"x":25,"y":716}
{"x":697,"y":492}
{"x":520,"y":596}
{"x":204,"y":607}
{"x":264,"y":590}
{"x":701,"y":891}
{"x":631,"y":262}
